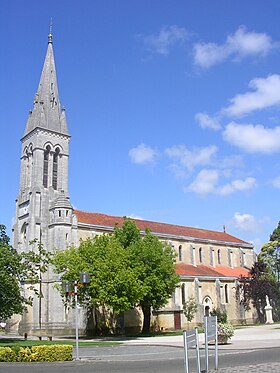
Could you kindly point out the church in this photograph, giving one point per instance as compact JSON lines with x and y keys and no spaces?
{"x":209,"y":262}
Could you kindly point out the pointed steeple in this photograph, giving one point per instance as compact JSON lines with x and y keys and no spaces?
{"x":46,"y":112}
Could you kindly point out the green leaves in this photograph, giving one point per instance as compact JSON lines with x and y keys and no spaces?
{"x":125,"y":269}
{"x":16,"y":268}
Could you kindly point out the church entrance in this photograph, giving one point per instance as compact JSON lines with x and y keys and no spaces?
{"x":207,"y":306}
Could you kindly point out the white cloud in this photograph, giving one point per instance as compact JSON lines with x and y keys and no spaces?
{"x":230,"y":161}
{"x":209,"y":54}
{"x":245,"y":43}
{"x":249,"y":224}
{"x":266,"y":94}
{"x":245,"y":222}
{"x":241,"y":44}
{"x":205,"y":121}
{"x":188,"y":159}
{"x":253,"y":138}
{"x":167,"y":38}
{"x":237,"y":185}
{"x":133,"y":216}
{"x":276,"y":182}
{"x":204,"y":183}
{"x":143,"y":154}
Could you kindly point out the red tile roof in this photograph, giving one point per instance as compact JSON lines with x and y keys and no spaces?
{"x":94,"y":218}
{"x":203,"y":270}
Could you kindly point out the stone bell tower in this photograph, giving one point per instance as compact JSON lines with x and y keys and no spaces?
{"x":43,"y":208}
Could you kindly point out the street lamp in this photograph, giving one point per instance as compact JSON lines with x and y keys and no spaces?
{"x":67,"y":288}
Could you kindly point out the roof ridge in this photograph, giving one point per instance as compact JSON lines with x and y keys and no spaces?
{"x":152,"y":221}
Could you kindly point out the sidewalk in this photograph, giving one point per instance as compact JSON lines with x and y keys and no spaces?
{"x":247,"y":338}
{"x":254,"y":337}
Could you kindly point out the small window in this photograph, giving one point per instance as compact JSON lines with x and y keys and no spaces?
{"x":66,"y":236}
{"x":200,"y":255}
{"x":226,"y":293}
{"x":180,"y":253}
{"x":59,"y":213}
{"x":183,"y":294}
{"x":219,"y":256}
{"x":66,"y":213}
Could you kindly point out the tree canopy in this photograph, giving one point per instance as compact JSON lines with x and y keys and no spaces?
{"x":11,"y":300}
{"x":15,"y":268}
{"x":153,"y":262}
{"x":126,"y":270}
{"x":275,"y":236}
{"x":112,"y":284}
{"x":256,"y":287}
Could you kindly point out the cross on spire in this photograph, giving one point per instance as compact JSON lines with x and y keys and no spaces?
{"x":50,"y":34}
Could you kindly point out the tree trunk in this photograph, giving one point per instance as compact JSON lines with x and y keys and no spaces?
{"x":147,"y":319}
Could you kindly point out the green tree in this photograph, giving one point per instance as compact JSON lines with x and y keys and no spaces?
{"x":270,"y":255}
{"x":11,"y":300}
{"x":254,"y":289}
{"x":189,"y":309}
{"x":16,"y":268}
{"x":113,"y":284}
{"x":153,"y":262}
{"x":275,"y":236}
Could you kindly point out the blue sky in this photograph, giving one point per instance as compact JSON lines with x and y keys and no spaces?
{"x":173,"y":107}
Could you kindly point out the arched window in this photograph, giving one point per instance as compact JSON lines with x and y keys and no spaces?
{"x":23,"y":232}
{"x":180,"y":253}
{"x":226,"y":293}
{"x":219,"y":256}
{"x":200,"y":254}
{"x":55,"y":168}
{"x":46,"y":166}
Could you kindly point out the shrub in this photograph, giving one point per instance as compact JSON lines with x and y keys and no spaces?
{"x":225,"y":329}
{"x":221,"y":315}
{"x":7,"y":354}
{"x":52,"y":353}
{"x":36,"y":353}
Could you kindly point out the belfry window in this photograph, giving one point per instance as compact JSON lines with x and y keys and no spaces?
{"x":55,"y":168}
{"x":46,"y":166}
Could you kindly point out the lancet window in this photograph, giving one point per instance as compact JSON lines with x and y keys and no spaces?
{"x":46,"y":166}
{"x":55,"y":168}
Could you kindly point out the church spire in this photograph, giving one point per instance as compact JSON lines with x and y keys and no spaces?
{"x":47,"y":112}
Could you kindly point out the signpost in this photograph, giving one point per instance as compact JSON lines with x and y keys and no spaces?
{"x":191,"y":341}
{"x":211,"y":334}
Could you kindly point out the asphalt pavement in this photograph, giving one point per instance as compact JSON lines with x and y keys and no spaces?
{"x":251,"y":350}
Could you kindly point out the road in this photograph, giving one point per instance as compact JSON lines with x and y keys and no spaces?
{"x":142,"y":359}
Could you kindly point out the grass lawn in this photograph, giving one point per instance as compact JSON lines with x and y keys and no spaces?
{"x":29,"y":343}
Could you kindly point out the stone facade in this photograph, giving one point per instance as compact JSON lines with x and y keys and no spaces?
{"x":209,"y":262}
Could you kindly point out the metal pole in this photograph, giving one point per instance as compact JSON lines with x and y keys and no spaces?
{"x":216,"y":343}
{"x":186,"y":352}
{"x":77,"y":323}
{"x":197,"y":350}
{"x":206,"y":342}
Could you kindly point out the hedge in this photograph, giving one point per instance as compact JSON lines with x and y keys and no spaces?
{"x":36,"y":353}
